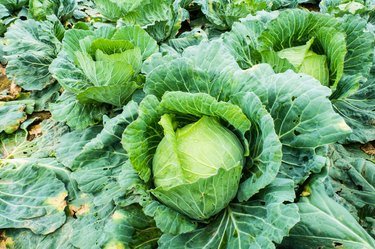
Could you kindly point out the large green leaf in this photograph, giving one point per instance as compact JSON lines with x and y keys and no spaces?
{"x":96,"y":157}
{"x":299,"y":164}
{"x":19,"y":144}
{"x":31,"y":197}
{"x":14,"y":113}
{"x":264,"y":146}
{"x":325,"y":223}
{"x":142,"y":136}
{"x":302,"y":113}
{"x":187,"y":39}
{"x":195,"y":74}
{"x":30,"y":48}
{"x":79,"y":116}
{"x":68,"y":75}
{"x":161,"y":19}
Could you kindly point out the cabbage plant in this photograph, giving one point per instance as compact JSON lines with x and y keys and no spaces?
{"x":97,"y":67}
{"x":161,"y":19}
{"x":223,"y":13}
{"x":336,"y":51}
{"x":208,"y":144}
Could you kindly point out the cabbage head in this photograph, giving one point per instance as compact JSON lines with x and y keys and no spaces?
{"x":192,"y":154}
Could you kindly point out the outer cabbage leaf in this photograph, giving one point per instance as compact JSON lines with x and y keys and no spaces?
{"x":30,"y":48}
{"x":76,"y":115}
{"x":14,"y":145}
{"x":168,"y":220}
{"x":360,"y":45}
{"x":95,"y":156}
{"x":122,"y":228}
{"x":32,"y":197}
{"x":14,"y":113}
{"x":285,"y":96}
{"x":19,"y":144}
{"x":325,"y":223}
{"x":195,"y":74}
{"x":300,"y":164}
{"x":44,"y":97}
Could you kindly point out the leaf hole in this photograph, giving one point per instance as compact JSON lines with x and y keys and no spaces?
{"x":337,"y":244}
{"x":294,"y":98}
{"x":296,"y":133}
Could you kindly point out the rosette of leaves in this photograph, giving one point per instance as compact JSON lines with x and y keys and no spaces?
{"x":342,"y":7}
{"x":208,"y":146}
{"x":161,"y":19}
{"x":63,"y":9}
{"x":336,"y":51}
{"x":223,"y":13}
{"x":97,"y":67}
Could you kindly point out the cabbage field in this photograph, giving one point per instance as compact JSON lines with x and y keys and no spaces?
{"x":141,"y":124}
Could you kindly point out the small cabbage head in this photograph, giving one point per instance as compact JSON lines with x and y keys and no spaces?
{"x":203,"y":161}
